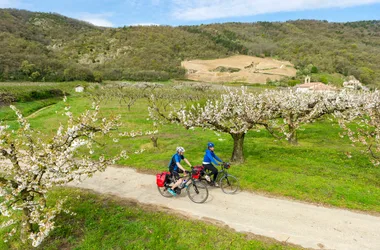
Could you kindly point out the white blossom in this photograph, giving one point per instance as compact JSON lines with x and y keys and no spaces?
{"x":236,"y":112}
{"x":139,"y":151}
{"x":37,"y":164}
{"x":361,"y":123}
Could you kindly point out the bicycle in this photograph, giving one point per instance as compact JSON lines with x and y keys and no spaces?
{"x":228,"y":183}
{"x":196,"y":190}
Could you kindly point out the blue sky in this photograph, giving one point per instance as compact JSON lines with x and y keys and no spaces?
{"x":117,"y":13}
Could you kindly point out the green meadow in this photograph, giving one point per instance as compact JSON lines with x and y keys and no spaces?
{"x":103,"y":222}
{"x":318,"y":170}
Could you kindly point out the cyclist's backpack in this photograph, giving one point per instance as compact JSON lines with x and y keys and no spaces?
{"x":161,"y":178}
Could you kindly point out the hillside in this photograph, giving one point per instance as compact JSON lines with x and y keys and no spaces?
{"x":41,"y":46}
{"x":345,"y":48}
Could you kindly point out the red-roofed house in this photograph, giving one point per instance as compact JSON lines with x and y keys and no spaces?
{"x":314,"y":86}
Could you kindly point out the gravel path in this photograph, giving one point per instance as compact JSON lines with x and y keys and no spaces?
{"x":302,"y":224}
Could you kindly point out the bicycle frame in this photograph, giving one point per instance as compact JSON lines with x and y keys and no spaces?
{"x":222,"y":172}
{"x":228,"y":183}
{"x":189,"y":179}
{"x":191,"y":186}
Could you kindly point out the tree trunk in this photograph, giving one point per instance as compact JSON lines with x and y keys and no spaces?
{"x":292,"y":137}
{"x":154,"y":140}
{"x":238,"y":154}
{"x":26,"y":227}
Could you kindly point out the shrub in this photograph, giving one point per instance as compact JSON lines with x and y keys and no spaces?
{"x":314,"y":70}
{"x":324,"y":79}
{"x":6,"y":98}
{"x":78,"y":72}
{"x":293,"y":82}
{"x":39,"y":95}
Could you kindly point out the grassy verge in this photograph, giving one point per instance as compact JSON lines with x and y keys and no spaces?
{"x":26,"y":102}
{"x":103,"y":222}
{"x":317,"y":170}
{"x":21,"y":87}
{"x":26,"y":108}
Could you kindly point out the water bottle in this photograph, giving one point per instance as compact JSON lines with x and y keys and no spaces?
{"x":182,"y":185}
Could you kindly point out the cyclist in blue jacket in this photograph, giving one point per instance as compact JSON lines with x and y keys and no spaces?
{"x":210,"y":157}
{"x":176,"y":168}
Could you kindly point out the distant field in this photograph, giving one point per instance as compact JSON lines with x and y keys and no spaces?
{"x":241,"y":68}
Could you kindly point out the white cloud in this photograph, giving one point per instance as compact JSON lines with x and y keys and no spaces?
{"x":97,"y":19}
{"x":204,"y":10}
{"x":99,"y":22}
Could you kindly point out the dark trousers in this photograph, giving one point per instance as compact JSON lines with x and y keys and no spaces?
{"x":176,"y":172}
{"x":214,"y":170}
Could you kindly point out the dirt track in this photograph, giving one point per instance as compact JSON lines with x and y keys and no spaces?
{"x":302,"y":224}
{"x":251,"y":69}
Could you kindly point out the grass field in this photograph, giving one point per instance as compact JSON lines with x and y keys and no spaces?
{"x":22,"y":91}
{"x":103,"y":222}
{"x":317,"y":170}
{"x":26,"y":108}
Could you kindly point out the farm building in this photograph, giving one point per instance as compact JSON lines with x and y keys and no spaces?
{"x":79,"y":88}
{"x":314,"y":86}
{"x":354,"y":84}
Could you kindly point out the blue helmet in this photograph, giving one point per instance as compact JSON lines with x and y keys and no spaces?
{"x":210,"y":144}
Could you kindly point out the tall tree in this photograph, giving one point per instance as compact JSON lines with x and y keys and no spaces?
{"x":293,"y":109}
{"x":30,"y":165}
{"x":235,"y":113}
{"x":362,"y":124}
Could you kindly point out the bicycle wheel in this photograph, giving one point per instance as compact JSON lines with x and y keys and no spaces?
{"x":164,"y":191}
{"x":204,"y":180}
{"x":197,"y":192}
{"x":219,"y":177}
{"x":229,"y":184}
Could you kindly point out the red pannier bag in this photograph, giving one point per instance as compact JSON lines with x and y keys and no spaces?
{"x":197,"y":171}
{"x":160,"y":178}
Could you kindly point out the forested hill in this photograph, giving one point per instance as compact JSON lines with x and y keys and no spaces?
{"x":51,"y":47}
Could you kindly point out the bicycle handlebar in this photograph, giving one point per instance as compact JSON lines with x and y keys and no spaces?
{"x":225,"y":165}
